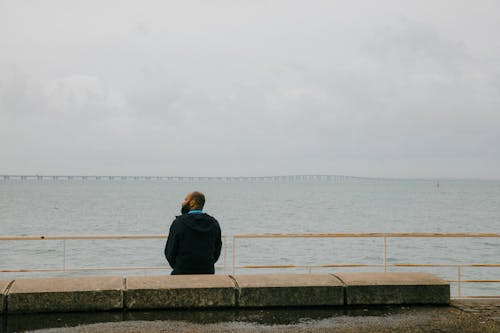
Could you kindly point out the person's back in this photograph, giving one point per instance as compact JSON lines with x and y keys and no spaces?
{"x":194,"y":241}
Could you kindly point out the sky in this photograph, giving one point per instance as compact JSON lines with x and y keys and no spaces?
{"x":252,"y":88}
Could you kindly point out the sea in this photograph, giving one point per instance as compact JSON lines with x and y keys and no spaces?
{"x":247,"y":207}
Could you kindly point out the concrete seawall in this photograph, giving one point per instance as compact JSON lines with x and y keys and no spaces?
{"x":105,"y":293}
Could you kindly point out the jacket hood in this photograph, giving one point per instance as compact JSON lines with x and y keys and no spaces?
{"x":199,"y":222}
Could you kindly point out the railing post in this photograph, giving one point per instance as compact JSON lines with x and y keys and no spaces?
{"x":234,"y":250}
{"x":64,"y":255}
{"x":385,"y":254}
{"x":459,"y":272}
{"x":225,"y":254}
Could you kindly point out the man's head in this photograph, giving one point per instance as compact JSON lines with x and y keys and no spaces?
{"x":193,"y":201}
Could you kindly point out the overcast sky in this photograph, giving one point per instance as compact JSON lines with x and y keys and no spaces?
{"x":366,"y":88}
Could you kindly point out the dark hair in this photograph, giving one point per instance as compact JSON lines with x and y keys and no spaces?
{"x":198,"y":198}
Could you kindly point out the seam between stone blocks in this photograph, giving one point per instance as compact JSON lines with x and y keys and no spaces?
{"x":123,"y":292}
{"x":344,"y":287}
{"x":5,"y":303}
{"x":237,"y":291}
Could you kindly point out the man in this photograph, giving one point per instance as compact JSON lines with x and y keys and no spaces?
{"x":194,"y":241}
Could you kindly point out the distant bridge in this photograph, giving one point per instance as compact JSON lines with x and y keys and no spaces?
{"x":184,"y":178}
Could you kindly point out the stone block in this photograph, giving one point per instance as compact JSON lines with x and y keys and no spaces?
{"x":289,"y":290}
{"x":3,"y":299}
{"x":66,"y":294}
{"x":179,"y":291}
{"x":394,"y":288}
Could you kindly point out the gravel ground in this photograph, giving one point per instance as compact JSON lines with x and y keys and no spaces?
{"x":461,"y":317}
{"x":486,"y":309}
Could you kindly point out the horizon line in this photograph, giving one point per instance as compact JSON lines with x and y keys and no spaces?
{"x":241,"y":177}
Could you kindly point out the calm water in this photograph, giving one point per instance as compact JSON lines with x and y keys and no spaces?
{"x":74,"y":207}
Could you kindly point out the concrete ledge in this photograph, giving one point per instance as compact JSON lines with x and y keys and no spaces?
{"x":220,"y":291}
{"x":394,"y":288}
{"x":179,"y":291}
{"x":65,"y":294}
{"x":3,"y":300}
{"x":289,"y":290}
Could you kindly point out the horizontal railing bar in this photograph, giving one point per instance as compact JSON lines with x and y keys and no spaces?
{"x":473,"y":281}
{"x":76,"y":237}
{"x":164,"y":268}
{"x":273,"y":266}
{"x":310,"y":266}
{"x":81,"y":269}
{"x":369,"y":265}
{"x":242,"y":267}
{"x":260,"y":266}
{"x":476,"y":297}
{"x":443,"y":265}
{"x":34,"y":270}
{"x":323,"y":235}
{"x":481,"y":281}
{"x":82,"y":237}
{"x":348,"y":265}
{"x":373,"y":235}
{"x":21,"y":270}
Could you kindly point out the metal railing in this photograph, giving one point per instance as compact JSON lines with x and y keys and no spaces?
{"x":385,"y":265}
{"x":65,"y":239}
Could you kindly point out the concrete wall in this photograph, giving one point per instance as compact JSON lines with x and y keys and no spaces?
{"x":220,"y":291}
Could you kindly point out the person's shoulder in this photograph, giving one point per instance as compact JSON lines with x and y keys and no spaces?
{"x":208,"y":216}
{"x":178,"y":220}
{"x":211,"y":218}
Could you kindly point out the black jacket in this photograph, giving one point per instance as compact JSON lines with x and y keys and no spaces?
{"x":193,"y":244}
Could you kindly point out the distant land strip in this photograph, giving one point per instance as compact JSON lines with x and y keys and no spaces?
{"x":184,"y":178}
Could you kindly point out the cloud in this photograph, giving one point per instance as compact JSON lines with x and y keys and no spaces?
{"x":248,"y":89}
